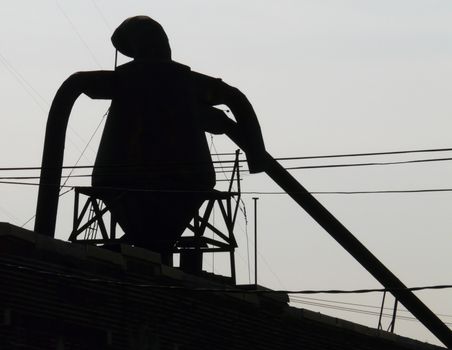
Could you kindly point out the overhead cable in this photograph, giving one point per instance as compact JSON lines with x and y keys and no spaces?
{"x":86,"y":146}
{"x":218,"y":290}
{"x":40,"y":101}
{"x":321,"y":166}
{"x":345,"y":155}
{"x":426,"y":190}
{"x":119,"y":166}
{"x":358,"y":310}
{"x":107,"y":25}
{"x":71,"y":23}
{"x":303,"y":298}
{"x":61,"y":194}
{"x":369,"y":164}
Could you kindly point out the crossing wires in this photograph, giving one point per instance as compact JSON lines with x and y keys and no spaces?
{"x":222,"y":167}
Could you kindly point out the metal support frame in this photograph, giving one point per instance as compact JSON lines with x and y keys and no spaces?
{"x":191,"y":248}
{"x":90,"y":220}
{"x":89,"y":226}
{"x":380,"y":325}
{"x":394,"y":314}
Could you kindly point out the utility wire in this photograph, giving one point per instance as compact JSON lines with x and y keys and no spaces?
{"x":79,"y":158}
{"x":78,"y":34}
{"x":31,"y":91}
{"x":219,"y":160}
{"x":344,"y":155}
{"x":40,"y":101}
{"x":241,"y":206}
{"x":60,"y":195}
{"x":36,"y":177}
{"x":9,"y":214}
{"x":304,"y":157}
{"x":426,"y":190}
{"x":431,"y":190}
{"x":369,"y":164}
{"x":86,"y":146}
{"x":245,"y":218}
{"x":262,"y":257}
{"x":118,"y":166}
{"x":231,"y":290}
{"x":235,"y":290}
{"x":220,"y":290}
{"x":302,"y":298}
{"x":322,"y":166}
{"x":102,"y":16}
{"x":357,"y":310}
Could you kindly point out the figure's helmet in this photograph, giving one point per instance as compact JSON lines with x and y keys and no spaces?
{"x":141,"y":37}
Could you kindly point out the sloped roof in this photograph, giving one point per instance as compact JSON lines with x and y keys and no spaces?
{"x":86,"y":297}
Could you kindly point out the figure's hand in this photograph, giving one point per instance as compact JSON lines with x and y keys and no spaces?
{"x":215,"y":121}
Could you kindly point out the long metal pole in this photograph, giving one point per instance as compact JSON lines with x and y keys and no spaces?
{"x":255,"y":240}
{"x":346,"y":239}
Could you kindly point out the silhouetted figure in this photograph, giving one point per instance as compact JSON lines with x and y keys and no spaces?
{"x":153,"y":165}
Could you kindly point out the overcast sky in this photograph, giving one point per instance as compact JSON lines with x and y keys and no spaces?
{"x":325,"y":77}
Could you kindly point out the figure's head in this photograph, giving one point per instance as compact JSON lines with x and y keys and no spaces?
{"x":141,"y":37}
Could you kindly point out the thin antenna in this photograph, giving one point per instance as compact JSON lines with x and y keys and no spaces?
{"x":255,"y":199}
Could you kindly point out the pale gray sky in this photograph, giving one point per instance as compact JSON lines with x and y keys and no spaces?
{"x":325,"y":77}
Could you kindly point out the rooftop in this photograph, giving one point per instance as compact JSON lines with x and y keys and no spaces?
{"x":79,"y":296}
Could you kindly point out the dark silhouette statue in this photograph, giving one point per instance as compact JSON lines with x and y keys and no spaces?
{"x":153,"y":164}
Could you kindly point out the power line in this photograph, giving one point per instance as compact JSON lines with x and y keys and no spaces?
{"x":221,"y":290}
{"x":34,"y":94}
{"x":357,"y":310}
{"x":344,"y":155}
{"x":262,"y":257}
{"x":9,"y":214}
{"x":368,"y":164}
{"x":349,"y":309}
{"x":302,"y":158}
{"x":78,"y":160}
{"x":234,"y":290}
{"x":322,"y":166}
{"x":119,"y":166}
{"x":300,"y":298}
{"x":34,"y":215}
{"x":24,"y":83}
{"x":427,"y":190}
{"x":78,"y":34}
{"x":217,"y":169}
{"x":87,"y":145}
{"x":431,"y":190}
{"x":102,"y":16}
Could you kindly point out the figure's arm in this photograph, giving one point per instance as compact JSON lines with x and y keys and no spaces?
{"x":215,"y":121}
{"x":94,"y":84}
{"x":245,"y":132}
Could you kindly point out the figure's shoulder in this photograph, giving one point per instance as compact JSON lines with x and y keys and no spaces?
{"x":205,"y":80}
{"x":95,"y":84}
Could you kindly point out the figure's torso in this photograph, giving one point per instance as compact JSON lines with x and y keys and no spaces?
{"x":152,"y":137}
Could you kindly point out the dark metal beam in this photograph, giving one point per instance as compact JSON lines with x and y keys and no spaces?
{"x":349,"y":242}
